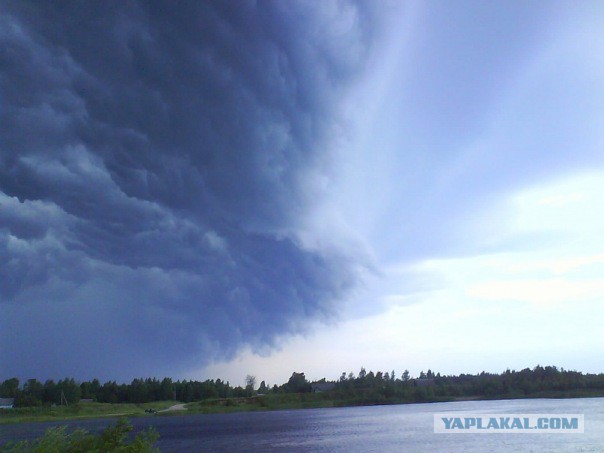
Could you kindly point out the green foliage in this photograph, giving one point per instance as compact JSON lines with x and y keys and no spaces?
{"x":84,"y":410}
{"x":113,"y":439}
{"x":250,"y":385}
{"x":381,"y":388}
{"x":272,"y":401}
{"x":9,"y":388}
{"x":69,"y":389}
{"x":367,"y":388}
{"x":263,"y":389}
{"x":90,"y":389}
{"x":297,"y":384}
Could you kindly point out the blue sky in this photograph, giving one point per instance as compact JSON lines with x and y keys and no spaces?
{"x":228,"y":189}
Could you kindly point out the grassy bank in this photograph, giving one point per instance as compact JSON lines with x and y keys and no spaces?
{"x":262,"y":403}
{"x":271,"y":402}
{"x":84,"y":410}
{"x":324,"y":400}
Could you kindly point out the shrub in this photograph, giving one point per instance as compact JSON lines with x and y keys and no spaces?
{"x":113,"y":439}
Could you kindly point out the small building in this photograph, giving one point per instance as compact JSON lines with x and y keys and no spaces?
{"x":319,"y":387}
{"x":7,"y":403}
{"x":86,"y":400}
{"x":424,"y":382}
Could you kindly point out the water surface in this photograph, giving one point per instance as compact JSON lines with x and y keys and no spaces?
{"x":406,"y":427}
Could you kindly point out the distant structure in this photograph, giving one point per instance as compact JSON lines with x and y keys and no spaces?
{"x":63,"y":399}
{"x":7,"y":403}
{"x":424,"y":382}
{"x":86,"y":400}
{"x":319,"y":387}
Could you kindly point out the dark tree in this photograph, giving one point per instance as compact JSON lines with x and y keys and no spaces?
{"x":9,"y":388}
{"x":298,"y":384}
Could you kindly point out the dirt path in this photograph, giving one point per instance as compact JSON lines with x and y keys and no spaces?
{"x":176,"y":407}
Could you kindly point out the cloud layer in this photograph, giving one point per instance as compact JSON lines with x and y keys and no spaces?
{"x":156,"y":165}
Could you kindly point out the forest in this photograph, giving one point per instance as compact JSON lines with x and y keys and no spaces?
{"x":367,"y":387}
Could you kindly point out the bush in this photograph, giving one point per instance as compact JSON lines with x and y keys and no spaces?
{"x":113,"y":439}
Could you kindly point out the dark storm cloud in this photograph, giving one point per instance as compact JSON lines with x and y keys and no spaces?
{"x":154,"y":163}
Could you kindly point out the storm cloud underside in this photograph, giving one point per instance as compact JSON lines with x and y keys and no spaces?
{"x":156,"y":165}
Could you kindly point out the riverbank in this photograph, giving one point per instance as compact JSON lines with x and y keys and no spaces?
{"x":83,"y":411}
{"x":326,"y":400}
{"x":405,"y":427}
{"x":270,"y":402}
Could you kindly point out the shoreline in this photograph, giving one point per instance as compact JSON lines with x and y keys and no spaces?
{"x":264,"y":403}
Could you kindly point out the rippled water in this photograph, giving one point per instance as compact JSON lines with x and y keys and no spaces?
{"x":377,"y":428}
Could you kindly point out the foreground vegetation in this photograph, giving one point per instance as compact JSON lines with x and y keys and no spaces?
{"x":113,"y":439}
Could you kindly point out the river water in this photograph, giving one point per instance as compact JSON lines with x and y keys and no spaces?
{"x":408,"y":427}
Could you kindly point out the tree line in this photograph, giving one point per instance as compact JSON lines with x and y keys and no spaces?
{"x":384,"y":388}
{"x":68,"y":391}
{"x":367,"y":387}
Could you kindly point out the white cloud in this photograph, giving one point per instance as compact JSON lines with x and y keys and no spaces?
{"x":467,"y":314}
{"x":535,"y":296}
{"x":556,"y":266}
{"x":546,"y":291}
{"x":572,"y":206}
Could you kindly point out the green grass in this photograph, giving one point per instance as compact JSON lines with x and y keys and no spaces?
{"x":85,"y":410}
{"x":279,"y":401}
{"x":324,"y":400}
{"x":261,"y":403}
